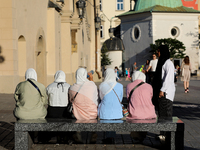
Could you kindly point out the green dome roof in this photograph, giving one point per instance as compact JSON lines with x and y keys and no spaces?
{"x":143,"y":4}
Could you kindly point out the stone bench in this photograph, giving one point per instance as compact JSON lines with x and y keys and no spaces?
{"x":23,"y":127}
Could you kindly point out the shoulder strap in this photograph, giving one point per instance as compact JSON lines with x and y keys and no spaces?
{"x":117,"y":96}
{"x":35,"y":86}
{"x":134,"y":89}
{"x":78,"y":91}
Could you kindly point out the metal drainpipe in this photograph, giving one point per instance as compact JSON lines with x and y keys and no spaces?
{"x":99,"y":76}
{"x":95,"y":37}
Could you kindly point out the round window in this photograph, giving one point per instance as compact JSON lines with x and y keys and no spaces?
{"x":136,"y":33}
{"x":175,"y":32}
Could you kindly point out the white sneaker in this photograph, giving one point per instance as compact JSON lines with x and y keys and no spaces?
{"x":162,"y":138}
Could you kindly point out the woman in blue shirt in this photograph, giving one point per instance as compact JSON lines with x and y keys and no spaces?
{"x":111,"y":95}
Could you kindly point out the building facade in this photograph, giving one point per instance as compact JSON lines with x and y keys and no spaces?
{"x":48,"y":36}
{"x":109,"y":9}
{"x":152,"y":20}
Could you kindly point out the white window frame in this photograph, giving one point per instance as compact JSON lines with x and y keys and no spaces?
{"x":120,"y":4}
{"x":100,"y":5}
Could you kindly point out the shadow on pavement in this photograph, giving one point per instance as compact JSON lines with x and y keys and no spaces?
{"x":189,"y":148}
{"x":190,"y":111}
{"x":6,"y":135}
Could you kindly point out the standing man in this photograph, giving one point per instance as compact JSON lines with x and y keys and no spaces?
{"x":163,"y":86}
{"x":134,"y":68}
{"x":152,"y":66}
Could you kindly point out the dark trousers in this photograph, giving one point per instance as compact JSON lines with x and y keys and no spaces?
{"x":165,"y":108}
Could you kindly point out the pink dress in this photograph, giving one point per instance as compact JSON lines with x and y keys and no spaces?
{"x":140,"y":105}
{"x":129,"y":74}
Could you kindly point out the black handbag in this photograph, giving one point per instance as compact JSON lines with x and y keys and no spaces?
{"x":69,"y":106}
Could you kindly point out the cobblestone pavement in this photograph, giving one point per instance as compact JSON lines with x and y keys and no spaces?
{"x":186,"y":107}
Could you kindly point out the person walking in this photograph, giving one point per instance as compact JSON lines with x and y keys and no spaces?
{"x":146,"y":72}
{"x":185,"y":73}
{"x":134,"y":68}
{"x":152,"y":66}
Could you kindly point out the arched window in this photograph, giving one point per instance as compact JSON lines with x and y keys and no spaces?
{"x":22,"y":56}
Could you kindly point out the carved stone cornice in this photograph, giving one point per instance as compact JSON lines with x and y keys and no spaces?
{"x":75,"y":24}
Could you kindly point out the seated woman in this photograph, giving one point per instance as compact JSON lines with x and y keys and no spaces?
{"x":111,"y":95}
{"x":57,"y":93}
{"x":83,"y":95}
{"x":30,"y":102}
{"x":140,"y":105}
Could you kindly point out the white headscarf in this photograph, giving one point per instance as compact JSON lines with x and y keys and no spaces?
{"x":138,"y":75}
{"x":31,"y":74}
{"x":109,"y":82}
{"x":81,"y":76}
{"x":84,"y":86}
{"x":59,"y":76}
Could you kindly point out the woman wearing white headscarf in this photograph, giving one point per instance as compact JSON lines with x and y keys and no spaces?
{"x":58,"y":96}
{"x":83,"y":95}
{"x":111,"y":95}
{"x":140,"y":104}
{"x":30,"y":104}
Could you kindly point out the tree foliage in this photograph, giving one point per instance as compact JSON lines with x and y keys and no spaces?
{"x":176,"y":47}
{"x":105,"y":60}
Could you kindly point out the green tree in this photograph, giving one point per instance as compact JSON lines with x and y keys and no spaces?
{"x":176,"y":47}
{"x":105,"y":60}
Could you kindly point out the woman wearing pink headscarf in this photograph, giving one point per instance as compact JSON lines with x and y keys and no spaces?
{"x":83,"y":95}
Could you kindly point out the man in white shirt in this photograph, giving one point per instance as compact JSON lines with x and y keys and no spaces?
{"x":152,"y":66}
{"x":164,"y":87}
